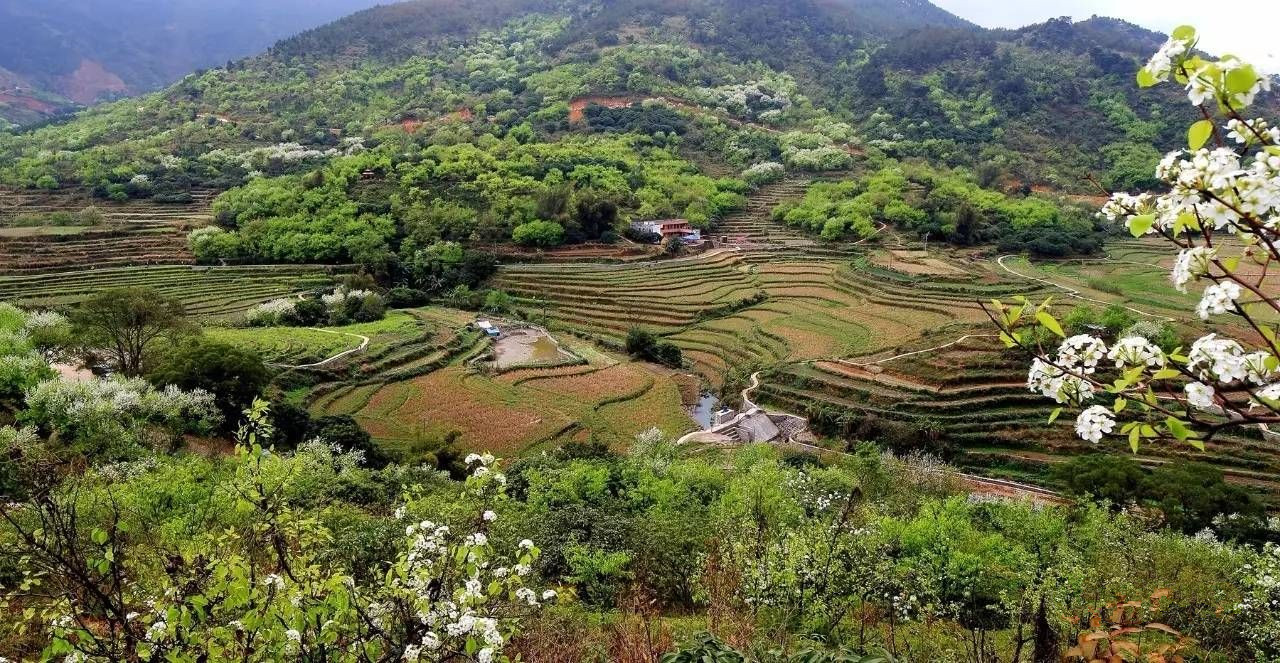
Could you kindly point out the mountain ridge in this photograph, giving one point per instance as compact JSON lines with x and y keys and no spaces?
{"x":73,"y":53}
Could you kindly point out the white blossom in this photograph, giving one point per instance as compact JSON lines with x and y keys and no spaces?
{"x":1161,"y":63}
{"x":1191,"y":264}
{"x":1199,"y":395}
{"x":1081,"y":352}
{"x":1136,"y":351}
{"x":1094,"y":422}
{"x":1220,"y":359}
{"x":1052,"y":382}
{"x":1218,"y":299}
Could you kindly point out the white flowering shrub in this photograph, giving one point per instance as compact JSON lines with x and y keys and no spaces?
{"x":1259,"y":609}
{"x":24,"y":337}
{"x":813,"y":152}
{"x":112,"y":410}
{"x":262,"y":158}
{"x":255,"y":592}
{"x":338,"y":298}
{"x":762,"y":100}
{"x":269,"y":313}
{"x":764,"y":173}
{"x":1221,"y":213}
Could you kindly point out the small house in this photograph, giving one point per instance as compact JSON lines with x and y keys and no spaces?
{"x":668,"y":228}
{"x":489,"y":328}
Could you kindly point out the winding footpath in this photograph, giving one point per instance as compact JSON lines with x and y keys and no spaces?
{"x":364,"y":343}
{"x":935,"y":348}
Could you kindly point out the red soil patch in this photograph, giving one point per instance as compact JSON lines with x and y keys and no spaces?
{"x":89,"y":81}
{"x":578,"y":105}
{"x":29,"y":103}
{"x":464,"y":114}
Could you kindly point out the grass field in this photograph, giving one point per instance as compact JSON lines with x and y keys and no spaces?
{"x":302,"y":345}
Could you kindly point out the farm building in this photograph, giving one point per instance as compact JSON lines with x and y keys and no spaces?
{"x":668,"y":228}
{"x":488,"y":328}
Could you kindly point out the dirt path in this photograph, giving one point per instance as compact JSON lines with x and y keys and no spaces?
{"x":364,"y":343}
{"x":903,"y":355}
{"x":746,"y":393}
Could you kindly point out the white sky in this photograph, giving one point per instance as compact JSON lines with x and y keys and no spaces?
{"x":1247,"y":28}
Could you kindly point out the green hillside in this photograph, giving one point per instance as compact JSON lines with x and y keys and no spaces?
{"x":1046,"y":104}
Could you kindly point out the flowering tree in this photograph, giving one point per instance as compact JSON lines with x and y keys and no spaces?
{"x":1222,"y":213}
{"x":256,"y":592}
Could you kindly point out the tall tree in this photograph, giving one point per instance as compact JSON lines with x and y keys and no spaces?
{"x":124,"y":322}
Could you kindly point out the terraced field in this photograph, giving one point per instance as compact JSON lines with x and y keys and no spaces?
{"x":729,"y":307}
{"x":206,"y":291}
{"x":427,"y":384}
{"x":884,"y":338}
{"x":974,"y":393}
{"x":130,"y":233}
{"x":759,"y":238}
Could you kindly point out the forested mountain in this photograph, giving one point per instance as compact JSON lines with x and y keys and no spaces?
{"x":58,"y":54}
{"x":484,"y":107}
{"x":1050,"y":101}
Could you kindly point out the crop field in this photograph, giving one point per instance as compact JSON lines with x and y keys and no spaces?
{"x":419,"y":377}
{"x":205,"y":291}
{"x":512,"y":417}
{"x":974,"y":392}
{"x":136,"y":232}
{"x":828,"y":325}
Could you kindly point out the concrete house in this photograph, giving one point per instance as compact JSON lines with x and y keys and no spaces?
{"x":668,"y":228}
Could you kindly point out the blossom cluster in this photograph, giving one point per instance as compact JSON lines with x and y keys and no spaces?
{"x":1065,"y":380}
{"x":461,"y":587}
{"x":270,"y":312}
{"x":1260,"y":604}
{"x":1221,"y":81}
{"x":754,"y":99}
{"x":70,"y":405}
{"x":763,"y":173}
{"x":340,"y":296}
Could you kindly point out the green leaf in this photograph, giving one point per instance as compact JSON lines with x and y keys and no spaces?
{"x":1184,"y":32}
{"x":1119,"y":404}
{"x":1139,"y":225}
{"x":1199,"y":134}
{"x":1177,"y":428}
{"x":1165,"y":374}
{"x":1146,"y":78}
{"x":1241,"y":79}
{"x":1198,"y":444}
{"x":1133,"y":439}
{"x":1048,"y":321}
{"x":1054,"y":415}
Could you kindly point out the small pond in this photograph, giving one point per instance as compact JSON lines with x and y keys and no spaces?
{"x":528,"y":347}
{"x":704,"y":412}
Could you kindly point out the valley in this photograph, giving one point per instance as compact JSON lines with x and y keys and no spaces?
{"x":638,"y":331}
